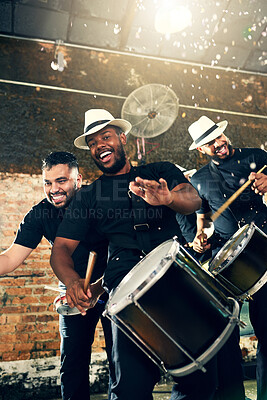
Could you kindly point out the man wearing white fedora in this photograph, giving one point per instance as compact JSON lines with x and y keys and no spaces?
{"x":229,"y":168}
{"x":161,"y":190}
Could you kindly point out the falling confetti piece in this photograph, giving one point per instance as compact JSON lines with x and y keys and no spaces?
{"x":253,"y":165}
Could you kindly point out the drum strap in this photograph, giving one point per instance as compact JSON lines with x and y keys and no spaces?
{"x":141,"y":225}
{"x":218,"y":177}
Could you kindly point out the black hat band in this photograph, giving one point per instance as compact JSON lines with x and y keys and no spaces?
{"x":103,"y":121}
{"x":205,"y":134}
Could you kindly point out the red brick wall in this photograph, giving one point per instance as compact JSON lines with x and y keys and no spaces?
{"x":29,"y":325}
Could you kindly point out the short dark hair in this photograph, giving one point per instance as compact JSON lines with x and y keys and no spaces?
{"x":117,"y":129}
{"x":60,"y":157}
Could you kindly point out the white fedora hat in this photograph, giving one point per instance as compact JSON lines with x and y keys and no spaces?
{"x":95,"y":120}
{"x":204,"y":130}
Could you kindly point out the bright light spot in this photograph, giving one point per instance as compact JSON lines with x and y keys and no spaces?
{"x":253,"y":165}
{"x":116,"y":29}
{"x":170,"y":20}
{"x":218,"y":56}
{"x":54,"y":65}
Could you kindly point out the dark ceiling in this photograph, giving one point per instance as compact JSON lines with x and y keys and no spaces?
{"x":223,"y":33}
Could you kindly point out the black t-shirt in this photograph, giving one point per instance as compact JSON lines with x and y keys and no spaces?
{"x":43,"y":220}
{"x":235,"y":171}
{"x":106,"y":207}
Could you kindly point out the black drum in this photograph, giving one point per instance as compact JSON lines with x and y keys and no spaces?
{"x":241,"y":264}
{"x":172,"y":309}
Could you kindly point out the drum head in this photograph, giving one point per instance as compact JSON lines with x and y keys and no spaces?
{"x":62,"y":307}
{"x":143,"y":276}
{"x":232,"y":248}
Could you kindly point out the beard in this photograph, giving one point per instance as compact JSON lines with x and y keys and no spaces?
{"x":68,"y":198}
{"x":119,"y":163}
{"x":221,"y":160}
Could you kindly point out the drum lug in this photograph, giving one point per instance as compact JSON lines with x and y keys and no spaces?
{"x":242,"y":324}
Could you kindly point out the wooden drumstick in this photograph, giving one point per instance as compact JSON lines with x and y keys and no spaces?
{"x":233,"y":197}
{"x":90,"y":268}
{"x":55,"y":289}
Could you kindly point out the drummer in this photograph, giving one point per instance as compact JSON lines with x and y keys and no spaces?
{"x":61,"y":180}
{"x":135,"y":208}
{"x":225,"y":173}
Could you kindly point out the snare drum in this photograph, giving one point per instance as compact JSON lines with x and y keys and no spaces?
{"x":62,"y":307}
{"x":172,"y":309}
{"x":241,"y":264}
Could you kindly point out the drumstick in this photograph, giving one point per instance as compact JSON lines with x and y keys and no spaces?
{"x":55,"y":289}
{"x":89,"y":271}
{"x":233,"y":197}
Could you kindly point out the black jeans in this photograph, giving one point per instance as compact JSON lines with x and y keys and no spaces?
{"x":77,"y":335}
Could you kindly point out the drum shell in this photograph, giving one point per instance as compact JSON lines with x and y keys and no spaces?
{"x":191,"y":315}
{"x":246,"y":273}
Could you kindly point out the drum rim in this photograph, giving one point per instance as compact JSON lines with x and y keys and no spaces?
{"x":158,"y":272}
{"x":216,"y":269}
{"x":60,"y":306}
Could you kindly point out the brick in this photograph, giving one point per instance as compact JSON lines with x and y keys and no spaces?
{"x":23,"y":347}
{"x":6,"y":347}
{"x":18,"y":291}
{"x":37,"y":336}
{"x":7,"y":329}
{"x":47,"y":317}
{"x":37,"y":309}
{"x":55,"y":345}
{"x":25,"y":300}
{"x":13,"y":318}
{"x":27,"y":318}
{"x":25,"y":328}
{"x":14,"y":309}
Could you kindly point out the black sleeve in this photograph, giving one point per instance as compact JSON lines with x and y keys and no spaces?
{"x":30,"y":231}
{"x":188,"y":226}
{"x":172,"y":174}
